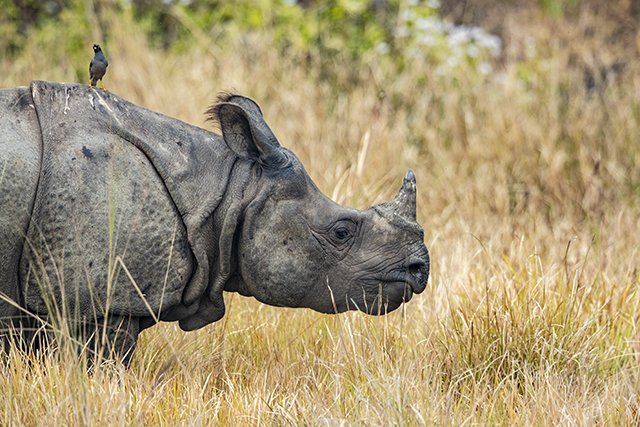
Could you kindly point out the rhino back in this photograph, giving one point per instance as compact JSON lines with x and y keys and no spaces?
{"x":20,"y":155}
{"x":105,"y":233}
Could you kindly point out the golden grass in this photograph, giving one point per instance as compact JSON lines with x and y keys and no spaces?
{"x":528,"y":193}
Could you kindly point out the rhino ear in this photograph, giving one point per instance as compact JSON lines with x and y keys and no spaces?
{"x":245,"y":131}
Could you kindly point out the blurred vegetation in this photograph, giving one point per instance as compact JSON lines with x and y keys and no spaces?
{"x":550,"y":59}
{"x":325,"y":34}
{"x":458,"y":47}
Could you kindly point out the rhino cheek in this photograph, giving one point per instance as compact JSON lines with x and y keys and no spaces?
{"x":276,"y":269}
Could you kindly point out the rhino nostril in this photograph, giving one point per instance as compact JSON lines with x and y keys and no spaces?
{"x":416,"y":267}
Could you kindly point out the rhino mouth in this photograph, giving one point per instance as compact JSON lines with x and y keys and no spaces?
{"x":412,"y":283}
{"x":398,"y":286}
{"x":390,"y":293}
{"x":414,"y":276}
{"x":387,"y":292}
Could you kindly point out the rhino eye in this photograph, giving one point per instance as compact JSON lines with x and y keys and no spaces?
{"x":342,"y":232}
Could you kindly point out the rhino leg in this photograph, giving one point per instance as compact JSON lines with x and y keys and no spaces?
{"x":113,"y":338}
{"x":17,"y":331}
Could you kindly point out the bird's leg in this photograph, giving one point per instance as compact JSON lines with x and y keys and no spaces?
{"x":102,"y":85}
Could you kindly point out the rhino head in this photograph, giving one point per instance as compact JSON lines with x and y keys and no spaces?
{"x":294,"y":247}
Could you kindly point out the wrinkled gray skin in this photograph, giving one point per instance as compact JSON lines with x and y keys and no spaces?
{"x":117,"y":216}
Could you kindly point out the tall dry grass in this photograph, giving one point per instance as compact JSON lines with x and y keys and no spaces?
{"x":529,"y":196}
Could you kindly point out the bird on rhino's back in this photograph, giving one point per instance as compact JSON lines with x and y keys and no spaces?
{"x":97,"y":66}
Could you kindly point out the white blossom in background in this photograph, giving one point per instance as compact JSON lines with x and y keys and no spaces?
{"x":428,"y":40}
{"x":485,"y":68}
{"x":382,"y":48}
{"x":423,"y":33}
{"x":402,"y":32}
{"x":530,"y":48}
{"x":473,"y":51}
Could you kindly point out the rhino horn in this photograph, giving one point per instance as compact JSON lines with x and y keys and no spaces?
{"x":404,"y":203}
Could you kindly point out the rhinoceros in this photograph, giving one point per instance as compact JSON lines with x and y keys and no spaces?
{"x":114,"y":215}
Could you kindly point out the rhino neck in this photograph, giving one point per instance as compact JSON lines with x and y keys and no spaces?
{"x":243,"y":185}
{"x":239,"y":210}
{"x":216,"y":250}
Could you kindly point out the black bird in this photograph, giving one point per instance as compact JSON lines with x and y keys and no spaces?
{"x":98,"y":65}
